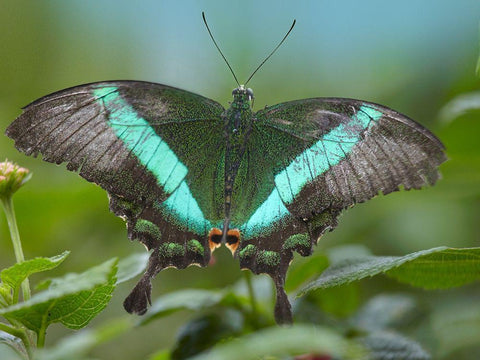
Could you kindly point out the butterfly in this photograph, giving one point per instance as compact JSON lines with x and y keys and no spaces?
{"x":188,"y":175}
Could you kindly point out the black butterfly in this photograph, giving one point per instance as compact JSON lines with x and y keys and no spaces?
{"x":188,"y":175}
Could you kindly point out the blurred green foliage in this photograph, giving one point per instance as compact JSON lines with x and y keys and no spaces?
{"x":414,"y":57}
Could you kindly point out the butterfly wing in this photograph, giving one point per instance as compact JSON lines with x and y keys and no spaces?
{"x":154,"y":149}
{"x":312,"y":159}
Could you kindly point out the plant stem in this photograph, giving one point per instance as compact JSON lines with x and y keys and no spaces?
{"x":41,"y":337}
{"x":251,"y":293}
{"x":17,"y":245}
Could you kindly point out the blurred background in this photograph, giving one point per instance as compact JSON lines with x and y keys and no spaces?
{"x":413,"y":56}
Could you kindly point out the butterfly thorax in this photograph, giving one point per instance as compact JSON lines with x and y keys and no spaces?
{"x":238,"y":117}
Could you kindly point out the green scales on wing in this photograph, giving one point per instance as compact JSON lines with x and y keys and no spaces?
{"x":188,"y":175}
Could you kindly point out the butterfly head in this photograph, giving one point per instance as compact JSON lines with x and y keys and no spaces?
{"x":242,"y":95}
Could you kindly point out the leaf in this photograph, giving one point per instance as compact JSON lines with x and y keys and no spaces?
{"x":303,"y":270}
{"x":392,"y":346}
{"x":5,"y":295}
{"x":477,"y":68}
{"x":441,"y":270}
{"x":385,"y":311}
{"x":160,"y":355}
{"x":327,"y":300}
{"x":437,"y":268}
{"x":294,"y":340}
{"x":16,"y":274}
{"x":73,"y":300}
{"x":456,"y":325}
{"x":131,"y":266}
{"x":460,"y":105}
{"x":80,"y":343}
{"x":204,"y":332}
{"x":348,"y":270}
{"x":189,"y":299}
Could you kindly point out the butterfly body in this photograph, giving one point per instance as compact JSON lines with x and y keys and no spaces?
{"x":188,"y":175}
{"x":238,"y":126}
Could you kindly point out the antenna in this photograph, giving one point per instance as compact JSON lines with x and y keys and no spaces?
{"x":218,"y":48}
{"x":259,"y":66}
{"x":268,"y":57}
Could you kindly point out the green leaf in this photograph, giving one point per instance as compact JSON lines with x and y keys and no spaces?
{"x":80,"y":343}
{"x":204,"y":332}
{"x":477,"y":68}
{"x":5,"y":295}
{"x":327,"y":300}
{"x":160,"y":355}
{"x":460,"y":105}
{"x":14,"y":275}
{"x":131,"y":266}
{"x":392,"y":346}
{"x":277,"y":341}
{"x":189,"y":299}
{"x":456,"y":325}
{"x":437,"y":268}
{"x":385,"y":311}
{"x":73,"y":300}
{"x":440,"y":270}
{"x":304,"y":269}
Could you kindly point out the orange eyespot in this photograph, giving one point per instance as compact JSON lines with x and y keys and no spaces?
{"x":233,"y":240}
{"x":214,"y":238}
